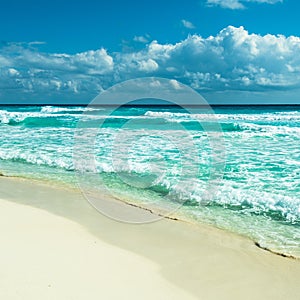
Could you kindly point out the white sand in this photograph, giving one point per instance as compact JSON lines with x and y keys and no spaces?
{"x":54,"y":245}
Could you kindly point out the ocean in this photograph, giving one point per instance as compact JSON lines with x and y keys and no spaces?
{"x":169,"y":158}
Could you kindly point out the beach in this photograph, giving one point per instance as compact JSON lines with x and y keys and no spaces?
{"x":150,"y":151}
{"x":54,"y":245}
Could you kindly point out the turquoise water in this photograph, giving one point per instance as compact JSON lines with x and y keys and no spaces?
{"x":259,"y":195}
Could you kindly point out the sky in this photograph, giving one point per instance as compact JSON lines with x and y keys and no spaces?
{"x":230,"y":51}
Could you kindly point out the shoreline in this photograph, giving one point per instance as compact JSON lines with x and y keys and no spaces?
{"x":173,"y":215}
{"x":43,"y":225}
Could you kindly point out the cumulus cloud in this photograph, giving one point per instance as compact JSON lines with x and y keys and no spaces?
{"x":238,"y":4}
{"x":25,"y":72}
{"x":232,"y":60}
{"x":187,"y":24}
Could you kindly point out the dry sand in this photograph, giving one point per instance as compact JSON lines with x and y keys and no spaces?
{"x":54,"y":245}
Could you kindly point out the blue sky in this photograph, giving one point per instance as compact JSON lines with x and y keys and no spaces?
{"x":231,"y":51}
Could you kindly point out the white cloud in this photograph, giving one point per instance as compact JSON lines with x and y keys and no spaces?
{"x":238,"y":4}
{"x":148,"y":66}
{"x":36,"y":43}
{"x":175,"y":84}
{"x":232,"y":60}
{"x":141,"y":39}
{"x":231,"y":4}
{"x":25,"y":70}
{"x":187,"y":24}
{"x":265,"y":1}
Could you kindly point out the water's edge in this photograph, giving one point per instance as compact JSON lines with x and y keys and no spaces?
{"x":173,"y":217}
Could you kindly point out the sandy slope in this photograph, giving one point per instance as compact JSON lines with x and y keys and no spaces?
{"x":54,"y":245}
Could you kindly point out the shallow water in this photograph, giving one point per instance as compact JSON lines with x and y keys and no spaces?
{"x":152,"y":154}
